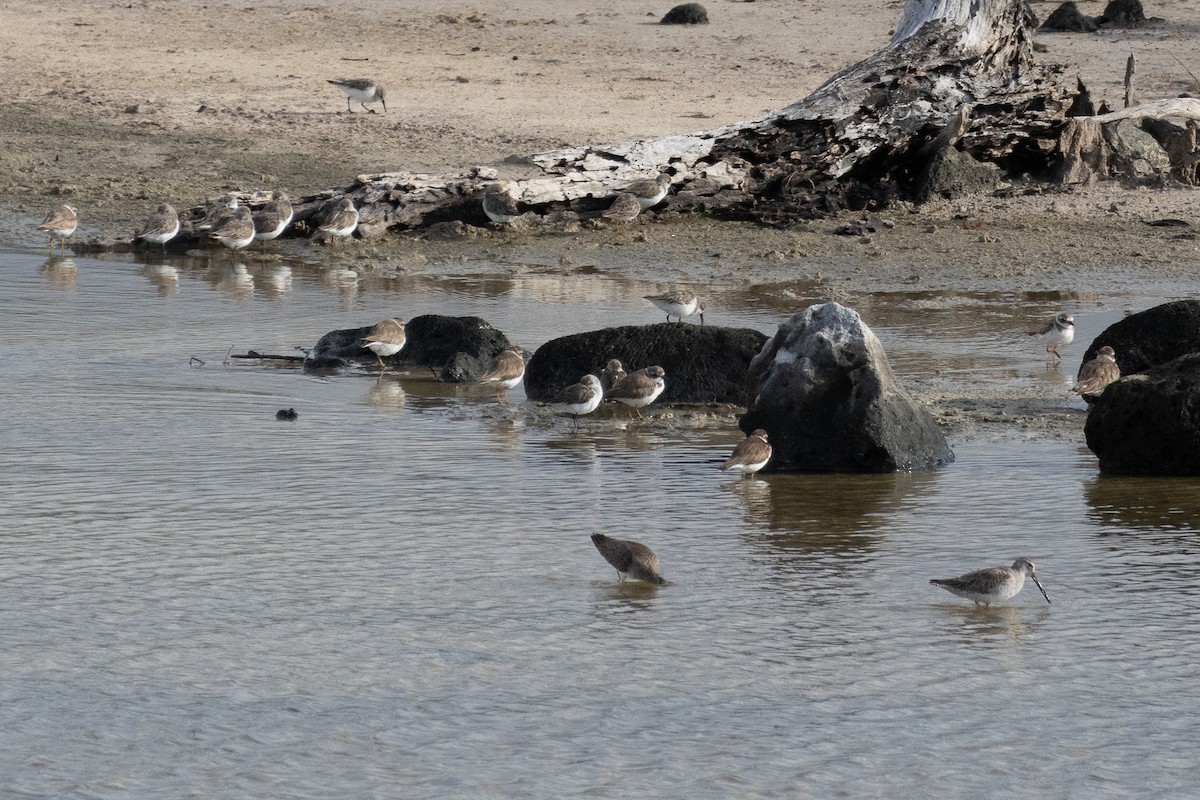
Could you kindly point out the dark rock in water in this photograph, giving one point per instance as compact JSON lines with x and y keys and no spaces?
{"x":1123,"y":14}
{"x":1067,"y":18}
{"x":704,"y":363}
{"x":459,"y":349}
{"x":824,"y":392}
{"x":685,"y":14}
{"x":1151,"y":337}
{"x":952,"y":173}
{"x":1149,"y":424}
{"x":286,"y":414}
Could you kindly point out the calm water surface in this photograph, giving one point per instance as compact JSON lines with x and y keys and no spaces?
{"x":395,"y":595}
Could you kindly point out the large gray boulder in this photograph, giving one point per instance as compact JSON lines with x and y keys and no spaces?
{"x":1149,"y":423}
{"x":704,"y":363}
{"x":824,"y":392}
{"x":456,"y":349}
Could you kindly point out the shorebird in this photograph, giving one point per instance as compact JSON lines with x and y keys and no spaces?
{"x":61,"y":221}
{"x":580,"y":398}
{"x":625,"y":207}
{"x":342,"y":223}
{"x":630,"y":559}
{"x":272,"y":219}
{"x":680,"y":303}
{"x":364,"y":90}
{"x":500,"y":207}
{"x":639,"y":389}
{"x":751,"y":454}
{"x":986,"y":586}
{"x":611,"y":375}
{"x":1098,"y":373}
{"x":506,"y":371}
{"x":160,"y":227}
{"x":649,"y":191}
{"x":216,"y":210}
{"x":1057,"y":331}
{"x":235,"y":231}
{"x":386,"y":339}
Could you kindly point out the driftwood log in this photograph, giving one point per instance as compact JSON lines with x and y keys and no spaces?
{"x":956,"y":74}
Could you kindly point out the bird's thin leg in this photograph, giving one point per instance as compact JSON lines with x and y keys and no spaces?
{"x":382,"y":366}
{"x":349,"y":110}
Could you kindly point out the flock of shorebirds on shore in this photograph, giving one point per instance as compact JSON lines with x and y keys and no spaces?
{"x":236,"y":226}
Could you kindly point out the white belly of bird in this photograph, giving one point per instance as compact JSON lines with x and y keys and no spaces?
{"x":384,"y":348}
{"x":508,"y":383}
{"x":361,"y":95}
{"x":748,"y":469}
{"x":581,"y":408}
{"x":677,"y":309}
{"x":161,"y":238}
{"x":647,"y":202}
{"x":1062,"y":336}
{"x":236,"y":244}
{"x":274,"y":232}
{"x":642,"y":402}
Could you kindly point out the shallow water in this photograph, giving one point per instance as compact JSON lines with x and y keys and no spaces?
{"x":395,"y":595}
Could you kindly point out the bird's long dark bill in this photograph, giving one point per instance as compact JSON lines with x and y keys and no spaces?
{"x":1039,"y":585}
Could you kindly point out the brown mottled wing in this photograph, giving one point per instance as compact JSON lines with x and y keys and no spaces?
{"x":577,"y":394}
{"x":508,"y":365}
{"x":58,"y":219}
{"x":981,"y":581}
{"x":615,"y":551}
{"x":632,"y":386}
{"x":643,"y":563}
{"x":342,"y":219}
{"x":390,"y":331}
{"x":499,"y":202}
{"x":1044,"y":329}
{"x":158,"y":223}
{"x":1095,"y":375}
{"x":624,"y":207}
{"x":750,"y":450}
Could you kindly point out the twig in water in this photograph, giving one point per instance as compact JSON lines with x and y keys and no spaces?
{"x":199,"y":361}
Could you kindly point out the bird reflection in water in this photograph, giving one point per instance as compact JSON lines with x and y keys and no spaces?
{"x":60,"y":271}
{"x":163,"y":276}
{"x":386,"y":392}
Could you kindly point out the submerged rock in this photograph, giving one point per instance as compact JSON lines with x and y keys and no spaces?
{"x":824,"y":392}
{"x":1149,"y":424}
{"x":1151,"y":337}
{"x":458,"y":349}
{"x":704,"y":363}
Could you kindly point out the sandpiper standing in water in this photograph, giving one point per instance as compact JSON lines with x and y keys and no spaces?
{"x":630,"y":559}
{"x":1098,"y":373}
{"x":751,"y":454}
{"x":580,"y":398}
{"x":507,"y":370}
{"x":679,"y":304}
{"x":362,"y":90}
{"x":61,"y":221}
{"x":386,"y":339}
{"x":986,"y":586}
{"x":1057,"y":332}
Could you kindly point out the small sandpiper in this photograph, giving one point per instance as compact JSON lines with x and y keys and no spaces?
{"x":679,"y":304}
{"x":362,"y":90}
{"x":216,"y":210}
{"x":751,"y":454}
{"x":500,"y":206}
{"x":386,"y":339}
{"x":580,"y":398}
{"x":341,"y":224}
{"x":506,"y":371}
{"x":625,"y":208}
{"x":611,"y":375}
{"x":630,"y":559}
{"x":235,"y":231}
{"x":649,"y":191}
{"x":1057,"y":332}
{"x":639,"y":389}
{"x":1098,"y":373}
{"x":160,"y":227}
{"x":272,"y":219}
{"x":61,"y":221}
{"x":986,"y":586}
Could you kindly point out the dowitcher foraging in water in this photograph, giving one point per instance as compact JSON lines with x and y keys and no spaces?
{"x":506,"y":371}
{"x":1057,"y":331}
{"x":630,"y":559}
{"x":986,"y":586}
{"x":386,"y":339}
